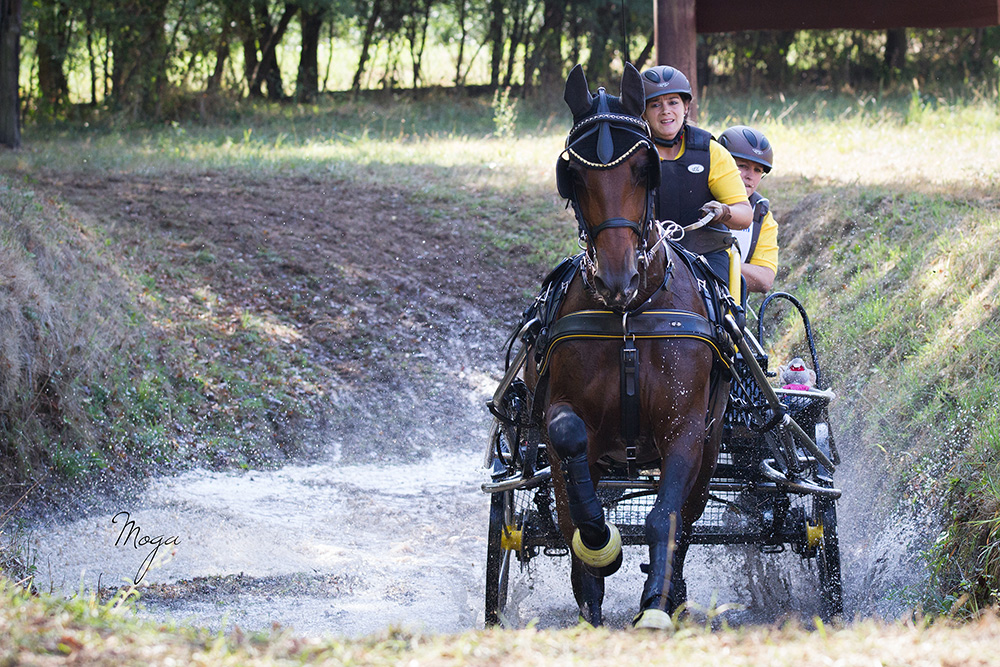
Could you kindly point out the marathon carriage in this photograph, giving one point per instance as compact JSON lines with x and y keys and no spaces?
{"x":772,"y":487}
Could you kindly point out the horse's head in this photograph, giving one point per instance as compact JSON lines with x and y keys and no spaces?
{"x":608,"y":172}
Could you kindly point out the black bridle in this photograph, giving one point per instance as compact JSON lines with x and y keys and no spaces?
{"x":603,"y":123}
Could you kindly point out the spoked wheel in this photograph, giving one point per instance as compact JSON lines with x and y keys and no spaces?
{"x":498,"y":553}
{"x":828,"y":557}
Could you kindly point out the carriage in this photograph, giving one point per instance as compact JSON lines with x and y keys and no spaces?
{"x":632,"y":369}
{"x":763,"y":492}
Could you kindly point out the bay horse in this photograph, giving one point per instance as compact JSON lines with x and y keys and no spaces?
{"x":598,"y":407}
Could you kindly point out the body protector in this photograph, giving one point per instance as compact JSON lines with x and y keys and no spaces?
{"x":684,"y":190}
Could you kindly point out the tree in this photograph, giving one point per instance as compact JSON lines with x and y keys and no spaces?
{"x":10,"y":65}
{"x":545,"y":59}
{"x":139,"y":53}
{"x":54,"y":33}
{"x":895,"y":51}
{"x":307,"y":81}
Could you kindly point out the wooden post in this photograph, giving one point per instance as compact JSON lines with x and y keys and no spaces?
{"x":676,"y":41}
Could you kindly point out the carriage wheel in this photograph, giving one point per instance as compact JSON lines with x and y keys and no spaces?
{"x":497,"y":558}
{"x":828,"y":557}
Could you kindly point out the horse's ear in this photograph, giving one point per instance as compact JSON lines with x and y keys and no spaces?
{"x":633,"y":99}
{"x":577,"y":93}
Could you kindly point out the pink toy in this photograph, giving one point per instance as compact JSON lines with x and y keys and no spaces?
{"x":796,"y":376}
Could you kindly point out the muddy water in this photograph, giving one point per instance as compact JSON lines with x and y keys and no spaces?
{"x":368,"y":537}
{"x":324,"y":547}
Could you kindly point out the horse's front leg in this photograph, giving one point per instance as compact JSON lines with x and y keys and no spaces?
{"x":595,"y":542}
{"x":664,"y":588}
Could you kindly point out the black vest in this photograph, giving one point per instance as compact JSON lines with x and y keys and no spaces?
{"x":684,"y":190}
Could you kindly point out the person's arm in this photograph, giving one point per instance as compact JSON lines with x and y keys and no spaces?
{"x":757,"y":278}
{"x":760,"y":270}
{"x":727,"y":187}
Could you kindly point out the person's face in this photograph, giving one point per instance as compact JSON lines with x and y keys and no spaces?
{"x":665,"y":115}
{"x":751,"y":173}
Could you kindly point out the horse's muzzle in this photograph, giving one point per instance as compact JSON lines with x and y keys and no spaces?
{"x":618,"y":291}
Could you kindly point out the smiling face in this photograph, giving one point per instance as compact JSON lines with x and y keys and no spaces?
{"x":751,"y":173}
{"x":665,"y":115}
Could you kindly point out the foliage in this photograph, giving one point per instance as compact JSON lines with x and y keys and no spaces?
{"x":157,"y":60}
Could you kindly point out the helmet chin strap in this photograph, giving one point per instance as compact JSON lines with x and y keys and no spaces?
{"x":670,"y":143}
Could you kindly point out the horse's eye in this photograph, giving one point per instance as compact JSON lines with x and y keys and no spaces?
{"x":640,"y":173}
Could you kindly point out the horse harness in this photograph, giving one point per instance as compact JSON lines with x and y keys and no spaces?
{"x":641,"y":323}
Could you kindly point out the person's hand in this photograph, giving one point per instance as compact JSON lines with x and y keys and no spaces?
{"x":718,"y":210}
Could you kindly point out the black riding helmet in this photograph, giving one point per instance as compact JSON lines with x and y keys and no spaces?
{"x":664,"y":79}
{"x":749,"y":144}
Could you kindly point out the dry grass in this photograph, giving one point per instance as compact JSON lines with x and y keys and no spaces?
{"x":63,"y":304}
{"x":44,"y":630}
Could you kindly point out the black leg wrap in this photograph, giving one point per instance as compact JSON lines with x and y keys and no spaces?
{"x":655,"y":594}
{"x":569,"y":439}
{"x":665,"y":588}
{"x":584,"y":508}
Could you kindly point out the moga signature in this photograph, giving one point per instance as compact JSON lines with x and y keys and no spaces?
{"x":131,"y":531}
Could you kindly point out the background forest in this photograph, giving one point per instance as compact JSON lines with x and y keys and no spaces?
{"x":147,"y":59}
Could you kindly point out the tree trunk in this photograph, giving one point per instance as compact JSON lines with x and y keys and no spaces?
{"x":640,"y":61}
{"x":138,"y":73}
{"x":895,"y":50}
{"x":268,"y":37}
{"x":417,"y":36}
{"x":496,"y":41}
{"x":10,"y":65}
{"x":50,"y":47}
{"x":599,"y":64}
{"x":221,"y":54}
{"x":464,"y":31}
{"x":366,"y":43}
{"x":516,"y":35}
{"x":88,"y":20}
{"x":545,"y":66}
{"x":307,"y":82}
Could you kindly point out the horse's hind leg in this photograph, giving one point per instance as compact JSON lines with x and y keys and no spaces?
{"x":595,"y":542}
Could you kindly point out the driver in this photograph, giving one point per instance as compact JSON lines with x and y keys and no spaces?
{"x":697,"y":175}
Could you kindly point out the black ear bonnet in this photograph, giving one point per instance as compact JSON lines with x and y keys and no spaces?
{"x":603,"y":140}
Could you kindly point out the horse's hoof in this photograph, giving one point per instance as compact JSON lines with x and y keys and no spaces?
{"x":653,"y":619}
{"x":604,"y":561}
